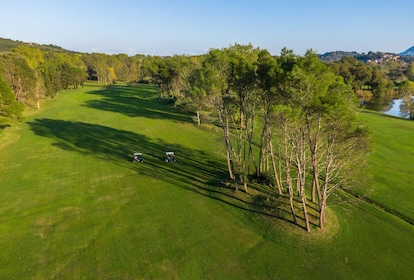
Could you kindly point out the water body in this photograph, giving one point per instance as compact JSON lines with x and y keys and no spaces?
{"x":387,"y":106}
{"x":395,"y":108}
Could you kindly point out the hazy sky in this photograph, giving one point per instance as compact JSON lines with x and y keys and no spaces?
{"x":167,"y":27}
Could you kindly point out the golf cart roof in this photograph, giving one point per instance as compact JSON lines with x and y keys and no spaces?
{"x":137,"y":154}
{"x":169,"y":153}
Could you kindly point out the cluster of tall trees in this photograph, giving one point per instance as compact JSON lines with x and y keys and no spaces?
{"x":288,"y":118}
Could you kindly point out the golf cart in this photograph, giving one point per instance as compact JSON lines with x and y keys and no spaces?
{"x":138,"y":157}
{"x":169,"y":157}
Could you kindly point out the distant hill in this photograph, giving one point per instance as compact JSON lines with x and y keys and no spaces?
{"x":409,"y":52}
{"x":377,"y":57}
{"x":8,"y":44}
{"x":336,"y":55}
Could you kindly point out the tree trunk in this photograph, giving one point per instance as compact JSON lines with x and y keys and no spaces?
{"x":263,"y":144}
{"x":292,"y":207}
{"x":225,"y":127}
{"x":250,"y":155}
{"x":301,"y":163}
{"x":242,"y":149}
{"x":299,"y":148}
{"x":245,"y":159}
{"x":288,"y":157}
{"x":322,"y":214}
{"x":313,"y":147}
{"x":276,"y":174}
{"x":249,"y":139}
{"x":198,"y":117}
{"x":228,"y":149}
{"x":324,"y":193}
{"x":305,"y":211}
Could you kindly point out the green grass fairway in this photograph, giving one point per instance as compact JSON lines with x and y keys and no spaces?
{"x":391,"y":165}
{"x":74,"y":206}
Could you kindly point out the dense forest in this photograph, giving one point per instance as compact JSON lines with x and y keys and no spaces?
{"x":287,"y":121}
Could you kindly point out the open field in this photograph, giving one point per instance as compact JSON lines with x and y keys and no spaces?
{"x":74,"y":206}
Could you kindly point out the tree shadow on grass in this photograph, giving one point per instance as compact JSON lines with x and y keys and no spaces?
{"x":194,"y":170}
{"x":193,"y":167}
{"x":90,"y":139}
{"x":135,"y":101}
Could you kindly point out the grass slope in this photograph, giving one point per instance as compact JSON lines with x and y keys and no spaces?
{"x":73,"y":206}
{"x":391,"y":165}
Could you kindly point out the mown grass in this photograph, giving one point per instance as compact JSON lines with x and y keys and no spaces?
{"x":74,"y":206}
{"x":391,"y":184}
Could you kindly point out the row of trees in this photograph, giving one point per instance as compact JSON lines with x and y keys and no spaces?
{"x":33,"y":74}
{"x":375,"y":84}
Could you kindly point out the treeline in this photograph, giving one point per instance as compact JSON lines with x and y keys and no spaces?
{"x":33,"y":73}
{"x":36,"y":72}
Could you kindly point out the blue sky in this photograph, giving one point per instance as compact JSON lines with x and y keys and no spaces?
{"x":167,"y":27}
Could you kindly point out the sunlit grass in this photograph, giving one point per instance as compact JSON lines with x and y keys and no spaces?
{"x":391,"y":165}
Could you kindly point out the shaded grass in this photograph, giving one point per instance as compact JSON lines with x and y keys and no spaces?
{"x":73,"y":205}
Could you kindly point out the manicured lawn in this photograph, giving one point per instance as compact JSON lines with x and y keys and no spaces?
{"x":74,"y":206}
{"x":391,"y":164}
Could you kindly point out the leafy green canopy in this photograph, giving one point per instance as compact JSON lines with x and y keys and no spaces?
{"x":10,"y":109}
